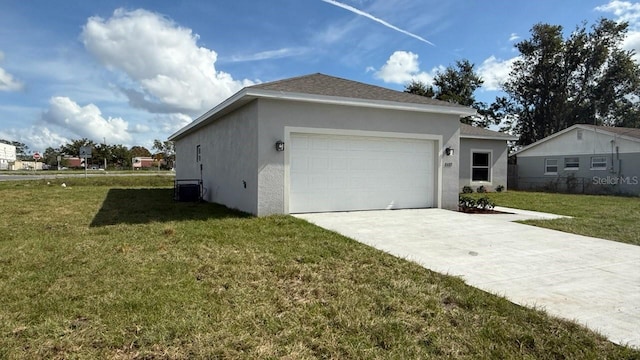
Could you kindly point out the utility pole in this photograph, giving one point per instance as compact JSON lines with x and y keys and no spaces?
{"x":104,"y":141}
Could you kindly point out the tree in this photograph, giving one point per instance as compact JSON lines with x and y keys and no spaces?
{"x":73,"y":148}
{"x":457,"y":84}
{"x":165,"y":150}
{"x":586,"y":78}
{"x":121,"y":156}
{"x":140,"y":151}
{"x":419,"y":88}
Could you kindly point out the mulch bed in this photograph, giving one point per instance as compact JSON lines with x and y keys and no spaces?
{"x":481,"y":211}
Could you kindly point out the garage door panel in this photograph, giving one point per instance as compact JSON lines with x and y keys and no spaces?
{"x":340,"y":173}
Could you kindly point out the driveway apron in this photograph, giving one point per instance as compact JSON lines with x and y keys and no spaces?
{"x":592,"y":281}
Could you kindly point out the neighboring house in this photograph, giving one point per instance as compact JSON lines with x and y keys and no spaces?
{"x":583,"y":158}
{"x":320,"y":143}
{"x":483,"y":157}
{"x":142,"y":162}
{"x":7,"y":155}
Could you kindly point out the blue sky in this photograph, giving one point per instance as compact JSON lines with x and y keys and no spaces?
{"x":132,"y":71}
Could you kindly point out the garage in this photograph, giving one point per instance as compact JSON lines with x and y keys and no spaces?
{"x":345,"y":173}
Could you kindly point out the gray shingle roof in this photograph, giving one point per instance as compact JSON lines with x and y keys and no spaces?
{"x":472,"y":131}
{"x":630,"y":132}
{"x":325,"y":85}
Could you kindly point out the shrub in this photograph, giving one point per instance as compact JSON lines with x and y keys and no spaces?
{"x":499,"y":188}
{"x":466,"y":203}
{"x":481,"y":189}
{"x":485,"y":203}
{"x":467,"y":189}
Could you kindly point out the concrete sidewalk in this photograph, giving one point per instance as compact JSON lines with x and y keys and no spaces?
{"x":592,"y":281}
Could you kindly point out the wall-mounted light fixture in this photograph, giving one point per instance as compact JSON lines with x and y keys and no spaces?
{"x":279,"y":145}
{"x":449,"y":151}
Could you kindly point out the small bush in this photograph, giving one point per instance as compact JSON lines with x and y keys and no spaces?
{"x":467,"y":189}
{"x":499,"y":188}
{"x":485,"y":203}
{"x":468,"y":204}
{"x":481,"y":189}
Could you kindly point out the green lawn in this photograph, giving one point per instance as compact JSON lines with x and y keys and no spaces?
{"x":608,"y":217}
{"x":116,"y":269}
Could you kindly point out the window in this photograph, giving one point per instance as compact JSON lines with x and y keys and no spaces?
{"x":480,"y":166}
{"x":550,"y":166}
{"x":571,"y":163}
{"x":198,"y":157}
{"x":598,"y":163}
{"x":579,"y":134}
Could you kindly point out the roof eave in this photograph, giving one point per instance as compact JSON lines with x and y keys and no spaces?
{"x":247,"y":94}
{"x":379,"y":104}
{"x":202,"y":119}
{"x":487,"y":137}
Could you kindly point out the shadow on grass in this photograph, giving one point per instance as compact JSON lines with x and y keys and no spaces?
{"x":141,"y":206}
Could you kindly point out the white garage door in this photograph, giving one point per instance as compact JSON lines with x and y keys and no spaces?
{"x":340,"y":173}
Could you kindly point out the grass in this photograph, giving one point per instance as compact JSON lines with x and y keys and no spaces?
{"x":609,"y":217}
{"x":119,"y":270}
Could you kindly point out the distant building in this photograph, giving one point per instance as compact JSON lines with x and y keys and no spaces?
{"x":7,"y":155}
{"x":25,"y":165}
{"x":140,"y":162}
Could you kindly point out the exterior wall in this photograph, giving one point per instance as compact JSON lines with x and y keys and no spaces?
{"x":7,"y":155}
{"x":621,"y":176}
{"x":498,"y":162}
{"x":275,"y":116}
{"x":142,"y":162}
{"x":25,"y":165}
{"x":7,"y":152}
{"x":228,"y":149}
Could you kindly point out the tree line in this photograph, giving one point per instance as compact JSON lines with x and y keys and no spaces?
{"x":117,"y":156}
{"x":556,"y":82}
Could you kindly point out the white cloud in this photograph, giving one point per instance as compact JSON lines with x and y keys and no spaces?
{"x":632,"y":42}
{"x":513,"y":37}
{"x":624,"y":10}
{"x":495,"y":72}
{"x":403,"y":67}
{"x":7,"y":82}
{"x":37,"y":138}
{"x":85,"y":121}
{"x":629,"y":12}
{"x":162,"y":58}
{"x":172,"y":122}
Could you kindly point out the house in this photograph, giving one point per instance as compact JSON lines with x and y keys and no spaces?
{"x":140,"y":162}
{"x":583,"y":158}
{"x":321,"y":143}
{"x":483,"y":157}
{"x":7,"y":155}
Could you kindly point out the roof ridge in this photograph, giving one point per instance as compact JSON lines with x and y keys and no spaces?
{"x":328,"y":85}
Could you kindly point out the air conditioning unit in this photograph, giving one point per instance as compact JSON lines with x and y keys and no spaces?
{"x":188,"y":192}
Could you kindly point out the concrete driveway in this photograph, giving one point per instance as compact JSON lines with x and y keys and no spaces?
{"x":592,"y":281}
